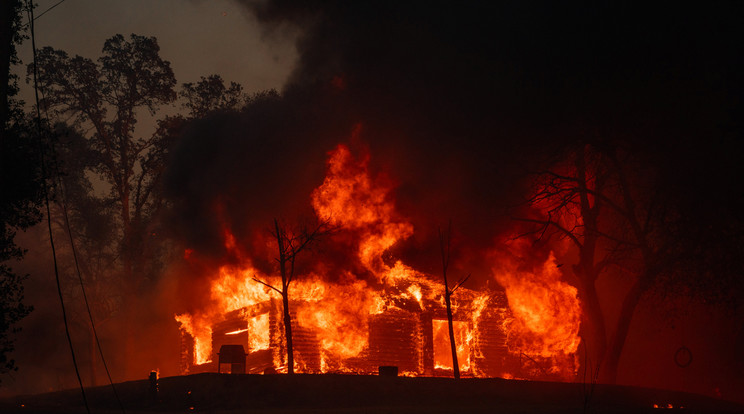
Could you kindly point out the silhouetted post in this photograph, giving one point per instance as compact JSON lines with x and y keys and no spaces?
{"x":154,"y":387}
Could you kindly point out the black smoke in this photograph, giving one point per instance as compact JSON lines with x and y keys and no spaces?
{"x":457,"y":103}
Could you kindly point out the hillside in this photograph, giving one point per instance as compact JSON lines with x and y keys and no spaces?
{"x":217,"y":393}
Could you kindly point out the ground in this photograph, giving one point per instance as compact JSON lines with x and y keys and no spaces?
{"x":224,"y":393}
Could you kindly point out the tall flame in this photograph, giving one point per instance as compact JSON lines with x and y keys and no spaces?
{"x":351,"y":199}
{"x":547,"y":315}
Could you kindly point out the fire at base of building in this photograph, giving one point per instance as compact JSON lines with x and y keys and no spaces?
{"x":409,"y":333}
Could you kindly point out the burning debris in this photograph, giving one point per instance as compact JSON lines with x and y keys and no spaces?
{"x":379,"y":311}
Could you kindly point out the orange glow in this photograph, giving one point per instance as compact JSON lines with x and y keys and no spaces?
{"x":258,"y":330}
{"x":667,"y":406}
{"x":443,"y":348}
{"x":341,"y":327}
{"x":201,"y":331}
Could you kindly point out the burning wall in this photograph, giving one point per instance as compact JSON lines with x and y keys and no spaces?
{"x":407,"y":336}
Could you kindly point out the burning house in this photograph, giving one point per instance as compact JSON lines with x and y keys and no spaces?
{"x":407,"y":329}
{"x":380,"y":311}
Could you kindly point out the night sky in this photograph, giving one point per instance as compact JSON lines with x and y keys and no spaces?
{"x":455,"y":103}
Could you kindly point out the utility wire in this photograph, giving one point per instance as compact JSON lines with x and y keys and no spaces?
{"x":30,"y":12}
{"x":47,"y":10}
{"x":42,"y":13}
{"x":63,"y":202}
{"x":85,"y":297}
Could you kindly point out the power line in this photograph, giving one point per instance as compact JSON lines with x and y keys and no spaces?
{"x":31,"y":18}
{"x":85,"y":296}
{"x":68,"y":228}
{"x":30,"y":12}
{"x":47,"y":10}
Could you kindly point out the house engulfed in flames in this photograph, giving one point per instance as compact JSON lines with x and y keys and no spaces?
{"x":407,"y":328}
{"x":397,"y":317}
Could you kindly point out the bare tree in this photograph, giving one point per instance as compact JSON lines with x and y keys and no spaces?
{"x":444,"y":247}
{"x":289,"y":245}
{"x":602,"y":200}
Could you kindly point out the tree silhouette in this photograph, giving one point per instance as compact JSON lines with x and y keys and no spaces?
{"x":20,"y":183}
{"x":105,"y":97}
{"x":610,"y":202}
{"x":210,"y":94}
{"x":444,"y":246}
{"x":289,"y":245}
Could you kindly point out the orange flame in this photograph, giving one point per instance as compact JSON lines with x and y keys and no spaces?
{"x":547,"y":315}
{"x":201,"y":331}
{"x":443,"y":348}
{"x":351,"y":199}
{"x":337,"y":320}
{"x":259,"y":327}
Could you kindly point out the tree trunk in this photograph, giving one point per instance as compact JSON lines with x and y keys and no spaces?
{"x":455,"y":364}
{"x":288,"y":332}
{"x":93,"y":356}
{"x":126,"y":247}
{"x":593,"y":331}
{"x":129,"y":283}
{"x":7,"y":14}
{"x":612,"y":358}
{"x":281,"y":243}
